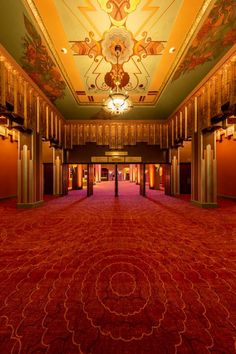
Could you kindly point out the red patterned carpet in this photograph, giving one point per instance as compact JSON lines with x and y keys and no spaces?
{"x":127,"y":275}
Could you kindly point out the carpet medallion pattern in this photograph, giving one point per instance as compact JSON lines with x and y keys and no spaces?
{"x":127,"y":275}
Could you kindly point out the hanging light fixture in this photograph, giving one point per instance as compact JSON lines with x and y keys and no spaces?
{"x":117,"y":102}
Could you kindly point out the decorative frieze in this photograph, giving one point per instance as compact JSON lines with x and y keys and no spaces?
{"x":116,"y":134}
{"x":39,"y":114}
{"x":207,"y":99}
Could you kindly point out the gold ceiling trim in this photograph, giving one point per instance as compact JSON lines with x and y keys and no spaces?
{"x":184,"y":46}
{"x":33,"y":9}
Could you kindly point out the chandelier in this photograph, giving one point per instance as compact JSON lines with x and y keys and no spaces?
{"x":117,"y":101}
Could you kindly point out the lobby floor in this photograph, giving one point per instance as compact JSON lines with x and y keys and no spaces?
{"x":126,"y":275}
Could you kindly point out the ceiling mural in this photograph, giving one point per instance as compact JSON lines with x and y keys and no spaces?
{"x":131,"y":49}
{"x":140,"y":42}
{"x":118,"y":10}
{"x":217,"y":32}
{"x":37,"y":62}
{"x":80,"y":77}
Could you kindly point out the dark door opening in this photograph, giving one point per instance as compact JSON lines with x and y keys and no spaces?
{"x":104,"y":174}
{"x":185,"y":178}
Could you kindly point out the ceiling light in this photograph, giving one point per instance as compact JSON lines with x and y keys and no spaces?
{"x":172,"y":50}
{"x":64,"y":50}
{"x":117,"y":102}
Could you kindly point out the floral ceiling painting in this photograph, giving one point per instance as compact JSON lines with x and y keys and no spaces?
{"x":129,"y":48}
{"x":217,"y":32}
{"x":37,"y":62}
{"x":156,"y":81}
{"x":135,"y":25}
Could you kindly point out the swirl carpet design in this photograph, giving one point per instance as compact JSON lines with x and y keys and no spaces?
{"x":127,"y":275}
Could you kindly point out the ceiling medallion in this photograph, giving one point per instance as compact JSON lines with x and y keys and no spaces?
{"x":117,"y":102}
{"x":121,"y":37}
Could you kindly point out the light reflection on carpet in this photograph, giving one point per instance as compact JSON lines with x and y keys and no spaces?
{"x":125,"y":275}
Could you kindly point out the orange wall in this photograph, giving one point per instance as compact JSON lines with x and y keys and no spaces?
{"x":226,"y":167}
{"x":8,"y":168}
{"x":185,"y":152}
{"x":47,"y":152}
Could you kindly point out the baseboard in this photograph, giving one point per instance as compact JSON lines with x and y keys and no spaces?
{"x":227,"y":196}
{"x":8,"y":197}
{"x":204,"y":205}
{"x":30,"y":205}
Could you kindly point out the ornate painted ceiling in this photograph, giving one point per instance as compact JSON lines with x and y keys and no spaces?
{"x":40,"y":32}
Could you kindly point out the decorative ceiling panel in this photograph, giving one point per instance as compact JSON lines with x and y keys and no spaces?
{"x":201,"y":31}
{"x":93,"y":29}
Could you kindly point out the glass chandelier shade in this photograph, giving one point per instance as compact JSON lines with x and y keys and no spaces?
{"x":117,"y":103}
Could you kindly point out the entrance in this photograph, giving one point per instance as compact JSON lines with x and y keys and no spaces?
{"x":120,"y":174}
{"x":119,"y":178}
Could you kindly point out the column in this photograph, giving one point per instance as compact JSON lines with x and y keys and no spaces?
{"x":174,"y":175}
{"x":138,"y":174}
{"x":80,"y":176}
{"x":167,"y":172}
{"x":142,"y":179}
{"x":75,"y":178}
{"x":99,"y":173}
{"x":116,"y":180}
{"x":65,"y":179}
{"x":90,"y":179}
{"x":131,"y":173}
{"x":157,"y":178}
{"x":203,"y":175}
{"x":135,"y":173}
{"x":151,"y":169}
{"x":30,"y":170}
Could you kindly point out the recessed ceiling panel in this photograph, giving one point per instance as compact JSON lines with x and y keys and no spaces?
{"x":68,"y":48}
{"x":93,"y":29}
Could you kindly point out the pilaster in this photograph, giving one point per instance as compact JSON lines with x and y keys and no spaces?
{"x":30,"y":170}
{"x":204,"y":181}
{"x":174,"y":173}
